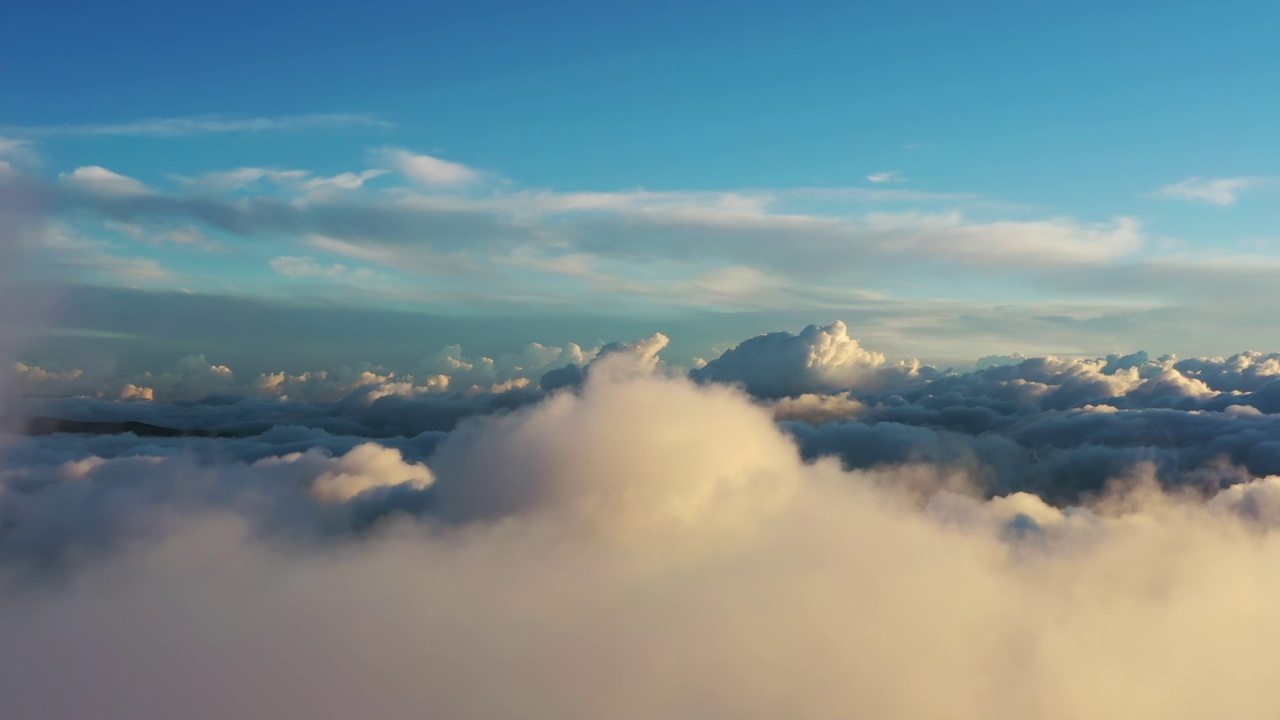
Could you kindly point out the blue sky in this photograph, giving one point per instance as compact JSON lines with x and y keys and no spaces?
{"x":950,"y":180}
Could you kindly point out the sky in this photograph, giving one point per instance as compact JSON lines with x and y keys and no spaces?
{"x":631,"y":360}
{"x":950,"y":181}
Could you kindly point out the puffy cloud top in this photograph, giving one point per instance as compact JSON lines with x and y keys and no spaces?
{"x":819,"y":359}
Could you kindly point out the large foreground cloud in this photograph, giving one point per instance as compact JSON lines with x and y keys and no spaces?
{"x":640,"y":547}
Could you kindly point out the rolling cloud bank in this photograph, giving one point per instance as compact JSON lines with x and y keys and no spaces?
{"x":639,"y":361}
{"x":799,"y":527}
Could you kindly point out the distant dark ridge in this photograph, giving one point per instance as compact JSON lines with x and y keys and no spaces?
{"x":51,"y":425}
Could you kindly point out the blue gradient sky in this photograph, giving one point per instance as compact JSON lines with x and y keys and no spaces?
{"x":950,"y":180}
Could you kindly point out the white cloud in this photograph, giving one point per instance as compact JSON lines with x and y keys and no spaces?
{"x":1215,"y":191}
{"x":305,"y":267}
{"x":343,"y":181}
{"x":672,"y":526}
{"x":65,"y":248}
{"x":17,"y":150}
{"x":1030,"y":243}
{"x":298,"y":180}
{"x":240,"y":178}
{"x":891,"y":176}
{"x":9,"y":145}
{"x":362,"y":251}
{"x":777,"y":364}
{"x":430,"y":170}
{"x":102,"y":181}
{"x":186,"y":235}
{"x":365,"y":467}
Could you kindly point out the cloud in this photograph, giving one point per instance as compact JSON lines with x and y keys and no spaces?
{"x":819,"y":359}
{"x":617,"y":358}
{"x":101,"y":181}
{"x":240,"y":178}
{"x":16,"y":151}
{"x":366,"y":467}
{"x":667,"y":523}
{"x":431,"y":171}
{"x":203,"y":125}
{"x":1060,"y":284}
{"x":188,"y":235}
{"x":62,"y":249}
{"x":817,"y":409}
{"x":12,"y":145}
{"x":891,"y":176}
{"x":248,"y":177}
{"x":306,"y":267}
{"x":638,"y":249}
{"x":1215,"y":191}
{"x":342,"y":181}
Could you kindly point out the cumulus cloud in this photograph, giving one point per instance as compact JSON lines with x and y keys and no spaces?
{"x":364,"y":468}
{"x":818,"y":360}
{"x":1058,"y":427}
{"x":640,"y":357}
{"x":193,"y":377}
{"x":816,"y":409}
{"x":666,"y":527}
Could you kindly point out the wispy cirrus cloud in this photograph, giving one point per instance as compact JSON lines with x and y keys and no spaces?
{"x":68,"y":251}
{"x":308,"y":267}
{"x":889,"y":176}
{"x":1215,"y":191}
{"x":246,"y":177}
{"x":428,"y":170}
{"x":242,"y":177}
{"x":13,"y":146}
{"x":203,"y":125}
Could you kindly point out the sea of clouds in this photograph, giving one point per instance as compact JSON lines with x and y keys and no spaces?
{"x":797,"y":528}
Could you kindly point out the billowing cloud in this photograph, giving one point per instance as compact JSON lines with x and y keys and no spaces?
{"x":665,"y":525}
{"x":640,"y":357}
{"x":818,"y":360}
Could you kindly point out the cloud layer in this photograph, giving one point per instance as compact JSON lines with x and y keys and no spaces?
{"x":642,"y":546}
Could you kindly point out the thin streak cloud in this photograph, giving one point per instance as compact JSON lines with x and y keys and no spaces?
{"x":1214,"y":191}
{"x":204,"y":125}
